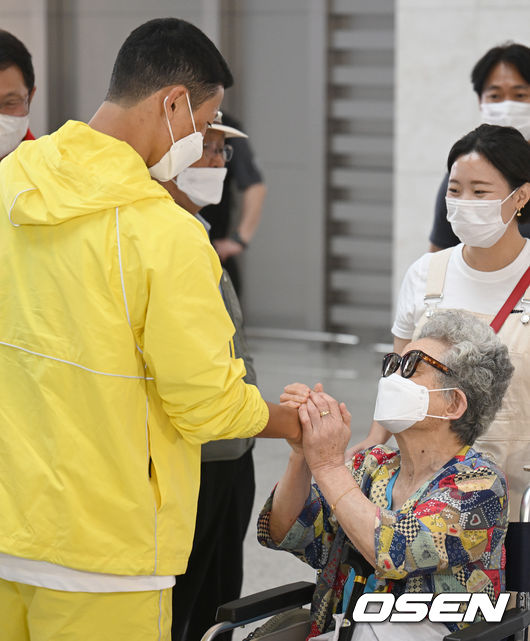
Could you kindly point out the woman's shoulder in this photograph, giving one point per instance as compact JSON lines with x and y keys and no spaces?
{"x":420,"y":267}
{"x":472,"y":471}
{"x":415,"y":280}
{"x":481,"y":463}
{"x":418,"y":271}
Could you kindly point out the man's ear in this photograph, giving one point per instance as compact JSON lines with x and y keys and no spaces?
{"x":30,"y":95}
{"x":176,"y":99}
{"x":457,"y":406}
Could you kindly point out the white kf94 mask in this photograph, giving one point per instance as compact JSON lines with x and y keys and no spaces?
{"x":202,"y":185}
{"x":401,"y":402}
{"x":182,"y":153}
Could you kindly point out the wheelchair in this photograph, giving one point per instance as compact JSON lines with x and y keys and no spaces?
{"x":290,"y":621}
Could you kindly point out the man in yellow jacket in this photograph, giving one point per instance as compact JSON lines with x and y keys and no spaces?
{"x":116,"y":354}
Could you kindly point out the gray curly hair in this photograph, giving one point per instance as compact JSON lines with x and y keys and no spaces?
{"x":481,"y":366}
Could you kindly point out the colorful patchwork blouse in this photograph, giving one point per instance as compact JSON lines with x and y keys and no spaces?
{"x":447,"y":537}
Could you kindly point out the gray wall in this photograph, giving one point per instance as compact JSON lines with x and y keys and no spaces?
{"x":85,"y":38}
{"x":277,"y":50}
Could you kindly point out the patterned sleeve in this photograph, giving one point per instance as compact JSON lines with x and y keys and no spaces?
{"x":461,"y":518}
{"x":311,"y":535}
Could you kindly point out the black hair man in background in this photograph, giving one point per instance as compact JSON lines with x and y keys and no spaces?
{"x":501,"y":80}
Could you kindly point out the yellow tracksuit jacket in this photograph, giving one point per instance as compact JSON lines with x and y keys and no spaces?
{"x":115,"y":359}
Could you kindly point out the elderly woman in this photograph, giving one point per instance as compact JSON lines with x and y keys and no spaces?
{"x":429,"y":517}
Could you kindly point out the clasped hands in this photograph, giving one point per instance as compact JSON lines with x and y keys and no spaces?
{"x":325,"y":426}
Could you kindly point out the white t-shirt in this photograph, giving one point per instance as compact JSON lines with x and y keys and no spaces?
{"x":57,"y":577}
{"x":465,"y":288}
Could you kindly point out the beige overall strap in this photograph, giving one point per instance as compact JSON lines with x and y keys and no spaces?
{"x":436,"y":275}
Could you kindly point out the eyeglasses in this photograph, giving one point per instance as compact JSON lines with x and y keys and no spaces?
{"x":211,"y":150}
{"x":409,"y":363}
{"x":15,"y":106}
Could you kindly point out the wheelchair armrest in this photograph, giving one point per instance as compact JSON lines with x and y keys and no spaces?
{"x":512,"y":621}
{"x":267,"y":602}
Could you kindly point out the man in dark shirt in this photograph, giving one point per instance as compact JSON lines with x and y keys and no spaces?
{"x":501,"y":80}
{"x":244,"y":172}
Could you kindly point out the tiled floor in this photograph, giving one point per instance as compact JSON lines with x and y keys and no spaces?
{"x":350,"y":374}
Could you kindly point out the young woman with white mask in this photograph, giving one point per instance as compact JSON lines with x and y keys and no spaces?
{"x":488,"y":192}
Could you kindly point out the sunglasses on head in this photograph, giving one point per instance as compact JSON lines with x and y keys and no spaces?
{"x":409,"y":363}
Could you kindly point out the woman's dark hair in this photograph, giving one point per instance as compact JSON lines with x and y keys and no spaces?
{"x":505,"y":148}
{"x":13,"y":53}
{"x":163,"y":52}
{"x":510,"y":53}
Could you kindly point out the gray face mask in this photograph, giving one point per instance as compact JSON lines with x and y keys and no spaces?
{"x":401,"y":403}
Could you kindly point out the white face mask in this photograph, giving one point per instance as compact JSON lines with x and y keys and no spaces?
{"x":12,"y":131}
{"x":509,"y":113}
{"x":202,"y":185}
{"x":181,"y":154}
{"x":477,"y":223}
{"x":401,"y":402}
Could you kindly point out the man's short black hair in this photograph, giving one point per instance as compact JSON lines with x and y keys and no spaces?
{"x":163,"y":52}
{"x":510,"y":53}
{"x":14,"y":53}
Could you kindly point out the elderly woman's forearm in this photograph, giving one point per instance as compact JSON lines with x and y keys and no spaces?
{"x":289,"y":497}
{"x":355,"y":513}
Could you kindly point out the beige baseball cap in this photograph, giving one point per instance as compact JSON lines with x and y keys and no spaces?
{"x":229,"y":132}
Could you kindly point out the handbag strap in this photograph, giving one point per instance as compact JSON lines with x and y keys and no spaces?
{"x":511,"y":301}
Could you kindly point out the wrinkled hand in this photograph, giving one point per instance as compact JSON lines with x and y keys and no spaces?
{"x":295,"y":394}
{"x":226,"y":247}
{"x":325,"y":438}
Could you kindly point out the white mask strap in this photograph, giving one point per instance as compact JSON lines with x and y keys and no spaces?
{"x":193,"y":119}
{"x":191,"y":114}
{"x":441,"y":389}
{"x":167,"y":118}
{"x":509,"y":195}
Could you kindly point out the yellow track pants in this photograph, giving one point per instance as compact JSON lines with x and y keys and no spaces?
{"x":29,"y":613}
